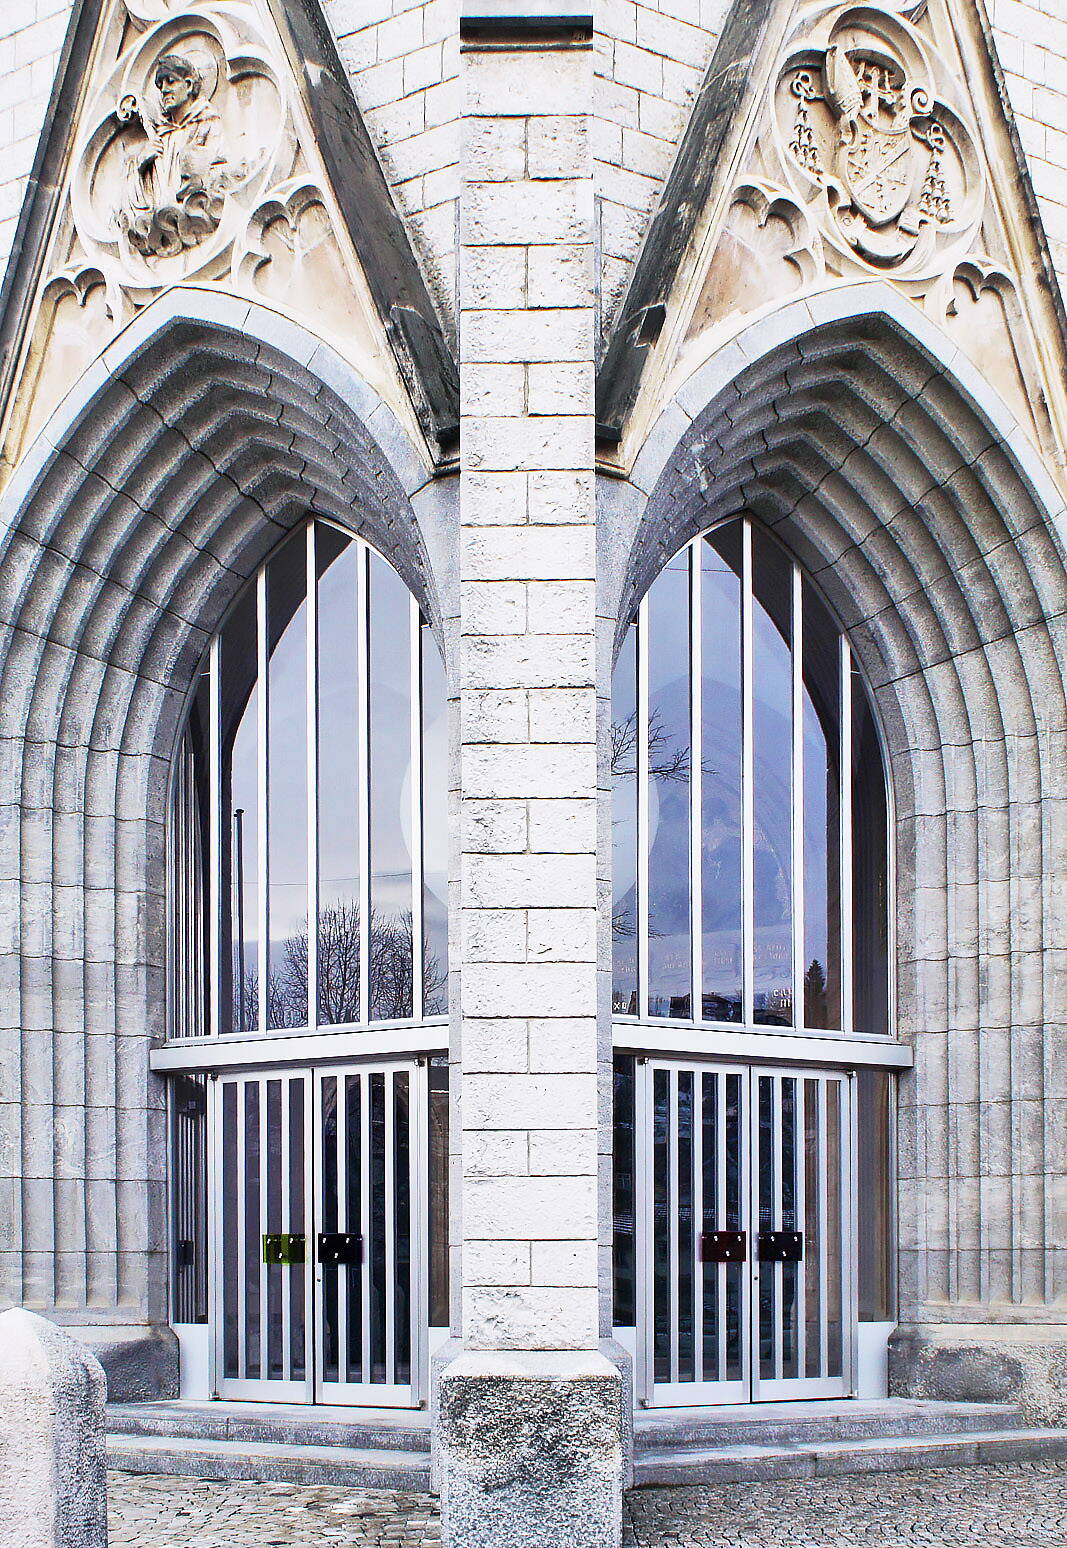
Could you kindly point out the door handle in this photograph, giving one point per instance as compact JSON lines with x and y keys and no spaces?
{"x":723,"y":1246}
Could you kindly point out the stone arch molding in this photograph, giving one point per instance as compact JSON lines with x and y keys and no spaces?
{"x":186,"y":452}
{"x":194,"y":159}
{"x":876,"y":146}
{"x":854,"y":429}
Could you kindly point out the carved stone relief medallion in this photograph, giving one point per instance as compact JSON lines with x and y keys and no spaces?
{"x":866,"y":136}
{"x":188,"y":129}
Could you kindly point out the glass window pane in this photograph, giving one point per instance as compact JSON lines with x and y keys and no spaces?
{"x":624,"y":740}
{"x":875,"y":1090}
{"x":239,"y":1000}
{"x":669,"y":750}
{"x":720,"y":756}
{"x":870,"y":878}
{"x":341,"y":764}
{"x":624,"y":1194}
{"x":434,"y":828}
{"x":390,"y":793}
{"x":287,"y":758}
{"x":822,"y":815}
{"x":772,"y":786}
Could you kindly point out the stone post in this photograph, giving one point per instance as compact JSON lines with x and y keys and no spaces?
{"x":53,"y":1491}
{"x":530,"y":1444}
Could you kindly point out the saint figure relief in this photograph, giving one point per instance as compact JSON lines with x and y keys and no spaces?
{"x":176,"y":183}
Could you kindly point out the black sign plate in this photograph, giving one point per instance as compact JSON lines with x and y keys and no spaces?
{"x":340,"y":1247}
{"x":723,"y":1247}
{"x":780,"y":1246}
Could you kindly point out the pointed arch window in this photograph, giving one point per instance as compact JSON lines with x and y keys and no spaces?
{"x":308,"y":807}
{"x":750,"y":821}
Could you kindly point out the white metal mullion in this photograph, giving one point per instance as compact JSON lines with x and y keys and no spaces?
{"x":750,"y":1146}
{"x":389,"y":1203}
{"x":642,"y":808}
{"x":343,"y":1222}
{"x":778,"y":1269}
{"x":216,"y":1255}
{"x":696,"y":889}
{"x":721,"y":1215}
{"x":643,"y":1242}
{"x":673,"y":1212}
{"x":417,"y":957}
{"x":264,"y":1298}
{"x":696,"y":1146}
{"x":801,"y":1220}
{"x":419,"y":1299}
{"x":215,"y":841}
{"x":312,"y":1179}
{"x":242,"y":1277}
{"x":797,"y":663}
{"x":845,"y":828}
{"x":365,"y":1221}
{"x":262,"y":801}
{"x":748,"y":936}
{"x":286,"y":1225}
{"x":822,"y":1200}
{"x":363,"y":781}
{"x":849,"y":1183}
{"x":312,"y":703}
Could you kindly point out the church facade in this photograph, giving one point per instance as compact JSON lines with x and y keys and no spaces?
{"x":534,"y":718}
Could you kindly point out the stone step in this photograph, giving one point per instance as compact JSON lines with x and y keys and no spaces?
{"x":284,"y":1424}
{"x":346,"y":1466}
{"x":772,"y":1424}
{"x":826,"y":1459}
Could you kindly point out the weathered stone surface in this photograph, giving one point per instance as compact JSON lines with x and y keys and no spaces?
{"x":983,"y":1364}
{"x":530,"y":1451}
{"x":52,"y":1480}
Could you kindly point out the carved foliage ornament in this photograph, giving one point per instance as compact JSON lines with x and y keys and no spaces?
{"x":865,"y":134}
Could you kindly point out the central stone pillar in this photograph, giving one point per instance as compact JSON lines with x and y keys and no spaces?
{"x":530,"y":1413}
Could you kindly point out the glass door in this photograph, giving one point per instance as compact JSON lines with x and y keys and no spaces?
{"x":802,"y":1265}
{"x":263,"y":1281}
{"x":745,"y":1227}
{"x":320,"y":1222}
{"x":371,"y":1301}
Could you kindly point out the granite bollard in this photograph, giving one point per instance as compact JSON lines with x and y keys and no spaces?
{"x":53,"y":1491}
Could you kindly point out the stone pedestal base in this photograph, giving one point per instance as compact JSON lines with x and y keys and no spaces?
{"x":530,"y":1451}
{"x":983,"y":1363}
{"x":140,"y":1360}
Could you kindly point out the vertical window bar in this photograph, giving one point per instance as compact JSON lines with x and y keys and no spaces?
{"x":264,"y":1225}
{"x":644,"y":1299}
{"x":286,"y":1225}
{"x":847,"y":1008}
{"x":778,"y":1269}
{"x":800,"y":1224}
{"x":748,"y":937}
{"x":215,"y":834}
{"x":642,"y":809}
{"x":311,"y":658}
{"x":797,"y":665}
{"x":343,"y":1223}
{"x":363,"y":788}
{"x":263,"y":775}
{"x":723,"y":1221}
{"x":389,"y":1209}
{"x":366,"y":1218}
{"x":824,"y":1310}
{"x":417,"y":882}
{"x":696,"y":1199}
{"x":674,"y":1289}
{"x":696,"y":798}
{"x":242,"y":1278}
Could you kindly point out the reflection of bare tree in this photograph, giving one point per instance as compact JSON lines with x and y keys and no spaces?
{"x":662,"y":762}
{"x":392,"y":952}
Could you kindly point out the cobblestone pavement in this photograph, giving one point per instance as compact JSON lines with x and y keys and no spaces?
{"x":1024,"y":1505}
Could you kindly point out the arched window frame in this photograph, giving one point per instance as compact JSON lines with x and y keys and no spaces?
{"x":196,"y":932}
{"x":631,"y":1026}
